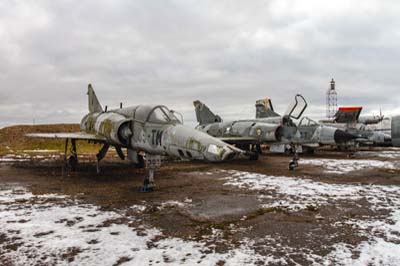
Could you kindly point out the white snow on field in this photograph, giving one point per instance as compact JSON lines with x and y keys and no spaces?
{"x":47,"y":228}
{"x":298,"y":193}
{"x":15,"y":158}
{"x":341,"y":166}
{"x":390,"y":154}
{"x":46,"y":232}
{"x":10,"y":158}
{"x":40,"y":151}
{"x":381,"y":249}
{"x":383,"y":245}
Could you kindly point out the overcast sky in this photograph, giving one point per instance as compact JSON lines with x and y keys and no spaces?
{"x":225,"y":53}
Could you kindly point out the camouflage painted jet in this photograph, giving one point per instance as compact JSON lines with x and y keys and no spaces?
{"x":349,"y":120}
{"x":268,"y":127}
{"x":150,"y":129}
{"x":310,"y":133}
{"x":248,"y":134}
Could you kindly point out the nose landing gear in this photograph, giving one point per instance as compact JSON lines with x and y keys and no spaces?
{"x":152,"y":163}
{"x":294,"y":163}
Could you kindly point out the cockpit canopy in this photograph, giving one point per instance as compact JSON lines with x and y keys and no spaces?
{"x":159,"y":114}
{"x":297,"y":107}
{"x":307,"y":122}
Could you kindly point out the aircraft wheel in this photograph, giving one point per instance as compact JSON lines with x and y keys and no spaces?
{"x":292,"y":166}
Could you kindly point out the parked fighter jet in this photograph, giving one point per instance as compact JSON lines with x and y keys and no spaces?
{"x":268,"y":127}
{"x":152,"y":129}
{"x":248,"y":134}
{"x":348,"y":119}
{"x":310,"y":133}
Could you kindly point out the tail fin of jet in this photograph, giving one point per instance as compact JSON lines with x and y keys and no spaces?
{"x":264,"y":109}
{"x":204,"y":115}
{"x":94,"y":104}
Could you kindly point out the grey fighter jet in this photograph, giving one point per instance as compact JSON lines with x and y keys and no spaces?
{"x":349,"y":120}
{"x":248,"y":134}
{"x":150,"y":129}
{"x":268,"y":127}
{"x":310,"y":133}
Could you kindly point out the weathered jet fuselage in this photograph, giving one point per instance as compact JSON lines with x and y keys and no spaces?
{"x":364,"y":134}
{"x":155,"y":130}
{"x":261,"y":131}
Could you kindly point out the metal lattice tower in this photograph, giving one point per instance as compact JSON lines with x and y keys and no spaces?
{"x":331,"y":101}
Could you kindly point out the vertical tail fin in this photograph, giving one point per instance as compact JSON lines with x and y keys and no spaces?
{"x":94,"y":104}
{"x":264,"y":109}
{"x":204,"y":115}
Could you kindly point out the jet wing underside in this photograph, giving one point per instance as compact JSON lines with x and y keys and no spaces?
{"x":239,"y":140}
{"x":68,"y":135}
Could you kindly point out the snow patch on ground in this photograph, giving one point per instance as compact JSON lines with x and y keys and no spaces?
{"x":40,"y":151}
{"x":382,"y":248}
{"x":10,"y":158}
{"x":302,"y":192}
{"x":55,"y":229}
{"x":341,"y":166}
{"x":389,"y":154}
{"x":69,"y":233}
{"x":298,"y":193}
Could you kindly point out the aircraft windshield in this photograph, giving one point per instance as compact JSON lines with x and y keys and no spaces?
{"x":307,"y":122}
{"x":296,"y":109}
{"x":161,"y":114}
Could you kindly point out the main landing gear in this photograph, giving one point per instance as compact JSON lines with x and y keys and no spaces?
{"x":100,"y":155}
{"x":151,"y":162}
{"x":70,"y":163}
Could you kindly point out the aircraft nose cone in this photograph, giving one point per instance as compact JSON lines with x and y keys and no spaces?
{"x":342,"y":136}
{"x":220,"y":153}
{"x":229,"y":154}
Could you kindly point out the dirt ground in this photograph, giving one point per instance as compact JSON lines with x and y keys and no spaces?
{"x":193,"y":200}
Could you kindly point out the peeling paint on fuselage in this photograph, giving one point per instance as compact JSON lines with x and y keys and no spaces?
{"x":169,"y":138}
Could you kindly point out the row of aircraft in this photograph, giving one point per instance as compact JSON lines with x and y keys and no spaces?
{"x":148,"y":132}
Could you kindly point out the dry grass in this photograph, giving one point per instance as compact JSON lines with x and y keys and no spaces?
{"x":13,"y":139}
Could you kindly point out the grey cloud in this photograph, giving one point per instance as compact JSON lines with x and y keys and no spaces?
{"x":225,"y":53}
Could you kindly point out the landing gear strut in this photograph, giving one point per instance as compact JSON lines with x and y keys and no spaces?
{"x":71,"y":162}
{"x":152,"y":163}
{"x":254,"y":152}
{"x":294,"y":163}
{"x":100,"y":155}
